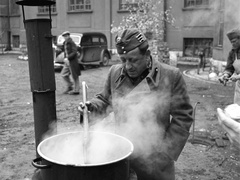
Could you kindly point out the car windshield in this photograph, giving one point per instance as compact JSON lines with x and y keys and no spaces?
{"x":75,"y":38}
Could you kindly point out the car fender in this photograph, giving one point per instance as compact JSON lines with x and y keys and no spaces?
{"x":103,"y":52}
{"x":80,"y":55}
{"x":60,"y":57}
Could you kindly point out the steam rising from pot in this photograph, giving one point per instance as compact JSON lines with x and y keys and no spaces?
{"x":137,"y":118}
{"x":67,"y":149}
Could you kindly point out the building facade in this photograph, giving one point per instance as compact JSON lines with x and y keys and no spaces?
{"x":199,"y":24}
{"x":203,"y":24}
{"x":228,"y":20}
{"x":193,"y":29}
{"x":9,"y":29}
{"x":72,"y":15}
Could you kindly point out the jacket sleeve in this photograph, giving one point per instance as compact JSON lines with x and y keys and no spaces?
{"x":181,"y":111}
{"x":229,"y":67}
{"x":102,"y":100}
{"x":71,"y":50}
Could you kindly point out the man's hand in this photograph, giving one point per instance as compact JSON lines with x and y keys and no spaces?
{"x":82,"y":106}
{"x":66,"y":61}
{"x":231,"y":126}
{"x":235,"y":77}
{"x":224,"y":78}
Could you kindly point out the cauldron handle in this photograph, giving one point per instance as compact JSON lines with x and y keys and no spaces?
{"x":36,"y":165}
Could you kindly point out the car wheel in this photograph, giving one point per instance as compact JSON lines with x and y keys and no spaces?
{"x":105,"y":59}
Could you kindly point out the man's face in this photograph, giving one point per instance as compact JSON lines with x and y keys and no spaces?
{"x":235,"y":43}
{"x":66,"y":37}
{"x":134,"y":62}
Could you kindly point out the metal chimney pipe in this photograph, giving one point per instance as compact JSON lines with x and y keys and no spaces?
{"x":42,"y":77}
{"x":41,"y":70}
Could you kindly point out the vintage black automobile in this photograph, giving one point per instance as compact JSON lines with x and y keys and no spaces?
{"x":92,"y":47}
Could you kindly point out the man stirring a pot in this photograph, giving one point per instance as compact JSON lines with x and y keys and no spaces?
{"x":232,"y":69}
{"x":150,"y":106}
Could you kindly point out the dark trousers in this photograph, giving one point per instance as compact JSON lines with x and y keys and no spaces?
{"x":202,"y":63}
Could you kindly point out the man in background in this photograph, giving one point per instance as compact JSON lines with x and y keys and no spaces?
{"x":202,"y":62}
{"x":232,"y":70}
{"x":71,"y":66}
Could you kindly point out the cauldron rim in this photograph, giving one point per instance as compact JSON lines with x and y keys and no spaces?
{"x":85,"y":165}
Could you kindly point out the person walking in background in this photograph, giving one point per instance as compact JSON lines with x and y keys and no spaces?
{"x":150,"y":106}
{"x":202,"y":62}
{"x":71,"y":66}
{"x":231,"y":126}
{"x":232,"y":70}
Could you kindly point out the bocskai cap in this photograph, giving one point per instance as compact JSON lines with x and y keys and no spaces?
{"x":130,"y":39}
{"x":65,"y":33}
{"x":234,"y":33}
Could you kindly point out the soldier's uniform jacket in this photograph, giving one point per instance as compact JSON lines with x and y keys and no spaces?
{"x":70,"y":51}
{"x":160,"y":105}
{"x":232,"y":56}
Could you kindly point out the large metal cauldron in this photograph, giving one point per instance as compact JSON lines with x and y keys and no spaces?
{"x":107,"y":157}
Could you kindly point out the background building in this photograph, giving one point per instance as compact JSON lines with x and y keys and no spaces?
{"x":194,"y":26}
{"x":9,"y":29}
{"x":228,"y":19}
{"x":200,"y":24}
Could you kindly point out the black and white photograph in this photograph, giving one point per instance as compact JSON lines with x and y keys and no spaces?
{"x":119,"y":90}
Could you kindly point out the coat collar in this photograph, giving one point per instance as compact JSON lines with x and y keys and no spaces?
{"x":154,"y":73}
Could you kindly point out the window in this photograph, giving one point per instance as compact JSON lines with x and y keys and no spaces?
{"x":45,"y":9}
{"x":79,"y":5}
{"x":103,"y":40}
{"x":95,"y":40}
{"x":220,"y":34}
{"x":75,"y":38}
{"x":128,"y":4}
{"x":193,"y":45}
{"x":16,"y":41}
{"x":196,"y":3}
{"x":86,"y":41}
{"x":221,"y":23}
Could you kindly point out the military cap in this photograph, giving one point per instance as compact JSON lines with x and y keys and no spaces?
{"x":234,"y":33}
{"x":65,"y":33}
{"x":130,"y":39}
